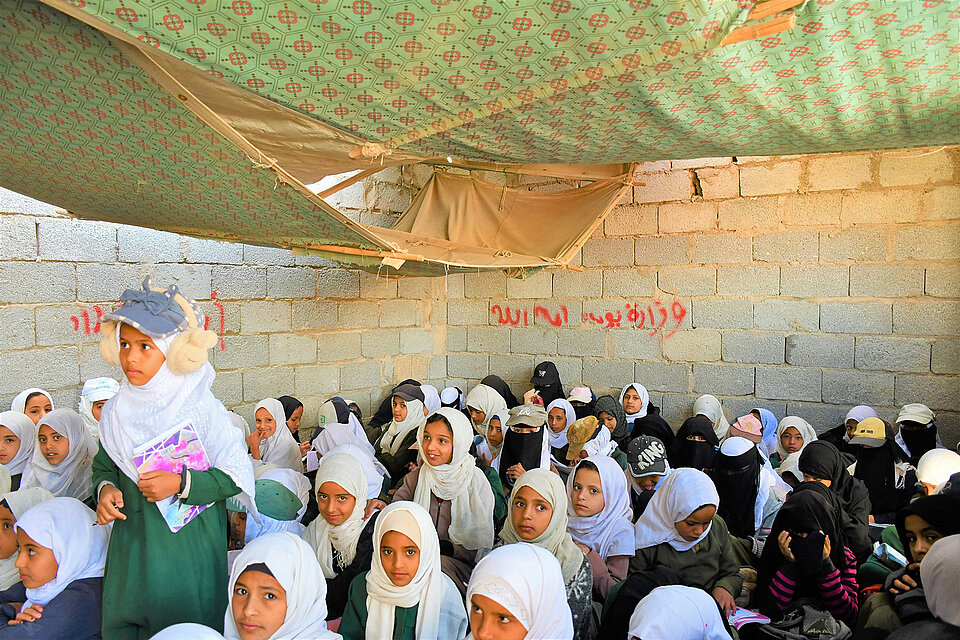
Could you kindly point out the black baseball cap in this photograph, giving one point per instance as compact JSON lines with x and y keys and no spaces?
{"x":408,"y":392}
{"x":646,"y":456}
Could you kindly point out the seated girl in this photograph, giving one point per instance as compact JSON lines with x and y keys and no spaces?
{"x":271,"y":442}
{"x":277,"y":592}
{"x":769,"y":421}
{"x":587,"y":437}
{"x":340,"y":537}
{"x":278,"y":508}
{"x":526,"y":445}
{"x":93,"y":396}
{"x":610,"y":413}
{"x":695,"y":445}
{"x":33,"y":403}
{"x":339,"y":438}
{"x":456,"y":493}
{"x":482,"y":403}
{"x":807,"y":559}
{"x":396,"y":446}
{"x":405,"y":595}
{"x":516,"y":592}
{"x":538,"y":515}
{"x":676,"y":612}
{"x":709,"y":407}
{"x":793,"y":434}
{"x":582,"y":400}
{"x":293,"y":413}
{"x":820,"y":461}
{"x":840,"y":435}
{"x":489,"y":450}
{"x":560,"y":417}
{"x":881,"y":465}
{"x":12,"y":507}
{"x":18,"y":438}
{"x":599,"y":520}
{"x":61,"y":558}
{"x":648,"y":467}
{"x":63,"y":458}
{"x":643,"y":417}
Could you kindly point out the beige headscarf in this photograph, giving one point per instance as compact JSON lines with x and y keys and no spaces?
{"x":555,"y":538}
{"x":346,"y":471}
{"x":393,"y":437}
{"x":709,"y":407}
{"x":488,"y":400}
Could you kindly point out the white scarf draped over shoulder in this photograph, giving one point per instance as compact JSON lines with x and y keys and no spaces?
{"x":347,"y":472}
{"x":489,"y":401}
{"x":527,"y":581}
{"x":559,"y":440}
{"x":292,"y":564}
{"x":462,"y":483}
{"x":644,"y":400}
{"x":393,"y":437}
{"x":73,"y":476}
{"x":18,"y":503}
{"x":684,"y":491}
{"x":279,"y":448}
{"x":23,"y":428}
{"x":434,"y":592}
{"x":609,"y":532}
{"x":555,"y":538}
{"x":709,"y":407}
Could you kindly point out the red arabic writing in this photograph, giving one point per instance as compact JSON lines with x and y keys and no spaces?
{"x":654,"y":317}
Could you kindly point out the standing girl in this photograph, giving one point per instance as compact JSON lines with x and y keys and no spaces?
{"x":62,"y":458}
{"x":18,"y":438}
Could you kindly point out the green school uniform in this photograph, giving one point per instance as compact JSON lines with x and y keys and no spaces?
{"x":499,"y":498}
{"x":353,"y":624}
{"x":155,"y":578}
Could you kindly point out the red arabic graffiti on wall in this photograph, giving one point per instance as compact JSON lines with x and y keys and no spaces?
{"x":654,"y":317}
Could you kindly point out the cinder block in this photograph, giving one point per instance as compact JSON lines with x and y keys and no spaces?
{"x":338,"y":346}
{"x":50,"y":368}
{"x":942,"y":280}
{"x":786,"y":246}
{"x":743,"y":214}
{"x":377,"y":343}
{"x":687,"y":281}
{"x":810,"y":350}
{"x":857,"y":387}
{"x":316,"y":380}
{"x":723,"y":313}
{"x":758,"y":348}
{"x":242,"y":352}
{"x":718,"y":183}
{"x":838,"y":172}
{"x":893,"y":354}
{"x":273,"y":256}
{"x":696,"y":163}
{"x":416,"y":340}
{"x":93,"y":366}
{"x":310,"y":315}
{"x":570,"y":369}
{"x":855,"y":317}
{"x":723,"y":379}
{"x":239,"y":283}
{"x":19,"y":235}
{"x":534,"y":340}
{"x":941,"y":203}
{"x":577,"y":284}
{"x":291,"y":282}
{"x":580,"y":342}
{"x":928,"y":243}
{"x":761,"y":180}
{"x":814,"y":280}
{"x":853,"y":244}
{"x":16,"y":202}
{"x":468,"y":312}
{"x":608,"y":252}
{"x":456,"y":338}
{"x":291,"y":348}
{"x":337,"y":283}
{"x":76,"y":241}
{"x":538,"y":285}
{"x":675,"y":408}
{"x":886,"y":280}
{"x":228,"y":388}
{"x":935,"y":391}
{"x":210,"y":251}
{"x":807,"y":209}
{"x":602,"y":373}
{"x":927,"y":318}
{"x":946,"y":356}
{"x":139,"y":244}
{"x":472,"y":366}
{"x":358,"y":314}
{"x":629,"y":283}
{"x":725,"y":248}
{"x":231,"y":316}
{"x":786,"y":315}
{"x":307,"y":260}
{"x":438,"y":367}
{"x":488,"y":339}
{"x":820,"y":416}
{"x":879,"y":207}
{"x":693,"y":345}
{"x":904,"y":169}
{"x":399,"y":313}
{"x":360,"y":375}
{"x":735,"y":407}
{"x":486,"y":284}
{"x":663,"y":187}
{"x":415,"y":288}
{"x":54,"y":326}
{"x":630,"y":344}
{"x":748,"y":281}
{"x":372,"y":287}
{"x":681,"y":217}
{"x":514,"y":369}
{"x":788,"y":383}
{"x":659,"y":376}
{"x":661,"y":250}
{"x":264,"y":316}
{"x":193,"y":280}
{"x":17,"y":328}
{"x":49,"y":282}
{"x":631,"y":220}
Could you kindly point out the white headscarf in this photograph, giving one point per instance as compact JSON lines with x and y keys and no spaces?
{"x":488,"y":400}
{"x":676,"y":612}
{"x":559,"y":440}
{"x":296,"y":482}
{"x":138,"y":414}
{"x":527,"y":581}
{"x":460,"y":482}
{"x":709,"y":407}
{"x":95,"y":390}
{"x":187,"y":631}
{"x":450,"y":394}
{"x":327,"y":417}
{"x":19,"y":502}
{"x":23,"y":428}
{"x":292,"y":564}
{"x":737,"y":446}
{"x":807,"y":432}
{"x":346,"y":471}
{"x":20,"y":400}
{"x":429,"y":588}
{"x":6,"y":482}
{"x":393,"y":437}
{"x":503,"y":415}
{"x":431,"y":397}
{"x":684,"y":491}
{"x":609,"y":532}
{"x":280,"y":448}
{"x":73,"y":477}
{"x":67,"y":527}
{"x":555,"y":538}
{"x":372,"y":468}
{"x":940,"y":574}
{"x":601,"y":444}
{"x":334,"y":435}
{"x":936,"y":466}
{"x":644,"y":399}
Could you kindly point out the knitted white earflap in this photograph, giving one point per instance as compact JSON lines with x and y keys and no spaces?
{"x":109,"y":350}
{"x":189,"y":350}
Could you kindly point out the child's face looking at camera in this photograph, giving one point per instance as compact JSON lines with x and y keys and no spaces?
{"x":259,"y":605}
{"x":530,"y":513}
{"x":293,"y":422}
{"x":53,"y":445}
{"x":631,"y":401}
{"x":335,"y":503}
{"x":437,"y":445}
{"x":266,"y":425}
{"x":400,"y":557}
{"x":9,"y":445}
{"x":8,"y":534}
{"x":490,"y":620}
{"x":37,"y":564}
{"x":140,"y":358}
{"x":557,"y":419}
{"x":693,"y":526}
{"x":495,"y":432}
{"x":399,"y":409}
{"x":37,"y":406}
{"x":791,"y":440}
{"x":587,"y":494}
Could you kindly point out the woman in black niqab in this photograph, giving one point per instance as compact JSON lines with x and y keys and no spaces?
{"x":546,"y":380}
{"x":695,"y":445}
